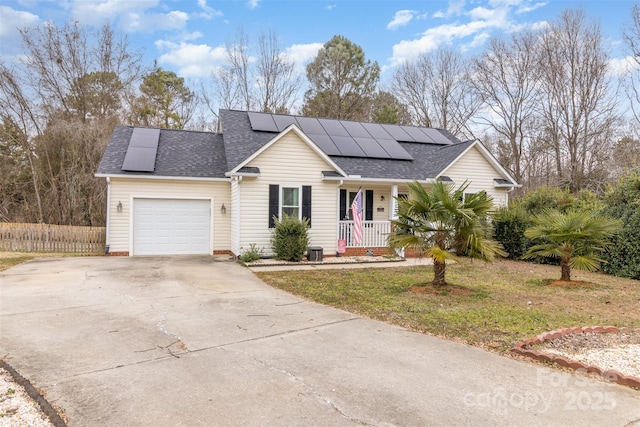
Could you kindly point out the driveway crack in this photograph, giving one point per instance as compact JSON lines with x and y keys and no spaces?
{"x":318,"y":395}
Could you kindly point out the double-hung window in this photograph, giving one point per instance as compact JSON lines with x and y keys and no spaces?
{"x":290,"y":201}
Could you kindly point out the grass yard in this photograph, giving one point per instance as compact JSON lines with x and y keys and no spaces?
{"x":491,"y":305}
{"x":10,"y":259}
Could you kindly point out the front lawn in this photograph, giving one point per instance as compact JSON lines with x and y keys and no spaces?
{"x":492,"y":305}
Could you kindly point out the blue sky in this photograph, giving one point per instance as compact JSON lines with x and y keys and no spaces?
{"x":188,"y":37}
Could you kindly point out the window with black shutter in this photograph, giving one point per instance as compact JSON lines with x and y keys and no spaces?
{"x":274,"y":204}
{"x":306,"y":203}
{"x":288,"y":200}
{"x":368,"y":205}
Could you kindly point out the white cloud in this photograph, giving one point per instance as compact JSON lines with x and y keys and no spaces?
{"x":252,"y":4}
{"x":191,"y":60}
{"x":530,"y":7}
{"x":11,"y":20}
{"x":481,"y":23}
{"x":207,"y":11}
{"x":303,"y":53}
{"x":96,"y":12}
{"x":151,"y":22}
{"x":478,"y":40}
{"x":401,"y":18}
{"x":455,"y":8}
{"x":618,"y":67}
{"x":135,"y":15}
{"x":433,"y":38}
{"x":331,"y":6}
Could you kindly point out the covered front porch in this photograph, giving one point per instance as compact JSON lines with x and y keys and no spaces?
{"x":378,"y":210}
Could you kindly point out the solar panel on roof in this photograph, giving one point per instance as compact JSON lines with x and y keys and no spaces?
{"x":144,"y":137}
{"x":376,"y":130}
{"x":436,"y":135}
{"x":397,"y":133}
{"x":333,"y":127}
{"x":371,"y":148}
{"x":355,"y":129}
{"x":310,"y":125}
{"x":139,"y":159}
{"x":262,"y":122}
{"x":428,"y":139}
{"x":283,"y":122}
{"x":416,"y":134}
{"x":326,"y":144}
{"x":348,"y":146}
{"x":142,"y":150}
{"x":394,"y":149}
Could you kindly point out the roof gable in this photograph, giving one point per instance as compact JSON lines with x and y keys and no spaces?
{"x":504,"y":175}
{"x":303,"y":137}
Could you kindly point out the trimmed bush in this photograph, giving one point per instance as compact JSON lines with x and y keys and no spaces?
{"x":290,"y":239}
{"x":508,"y":229}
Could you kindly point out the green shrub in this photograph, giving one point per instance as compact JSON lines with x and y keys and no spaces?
{"x":508,"y":229}
{"x":290,"y":239}
{"x":254,"y":253}
{"x":623,"y":202}
{"x":509,"y":224}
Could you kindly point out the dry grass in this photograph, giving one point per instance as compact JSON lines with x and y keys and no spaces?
{"x":11,"y":259}
{"x":492,"y":305}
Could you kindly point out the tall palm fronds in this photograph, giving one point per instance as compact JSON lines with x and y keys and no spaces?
{"x":442,"y":222}
{"x":576,"y":237}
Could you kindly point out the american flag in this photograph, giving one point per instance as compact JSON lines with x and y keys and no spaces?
{"x":356,"y":213}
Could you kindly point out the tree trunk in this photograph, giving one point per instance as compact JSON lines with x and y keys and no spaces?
{"x":565,"y":270}
{"x":438,"y":273}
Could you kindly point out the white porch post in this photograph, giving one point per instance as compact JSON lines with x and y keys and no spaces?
{"x":394,"y":212}
{"x":393,"y":203}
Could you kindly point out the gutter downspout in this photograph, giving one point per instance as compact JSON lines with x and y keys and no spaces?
{"x":106,"y":246}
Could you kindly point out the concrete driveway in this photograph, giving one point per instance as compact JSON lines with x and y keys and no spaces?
{"x":198,"y":341}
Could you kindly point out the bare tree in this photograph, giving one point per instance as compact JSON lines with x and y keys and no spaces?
{"x":437,"y":90}
{"x":265,"y":82}
{"x":631,"y":36}
{"x":277,"y":81}
{"x":506,"y":79}
{"x":70,"y":78}
{"x":579,"y":109}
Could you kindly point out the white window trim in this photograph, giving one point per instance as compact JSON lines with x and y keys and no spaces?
{"x":280,"y":205}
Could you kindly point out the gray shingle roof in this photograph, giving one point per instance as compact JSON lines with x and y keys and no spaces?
{"x":210,"y":155}
{"x":240,"y":141}
{"x":180,"y":153}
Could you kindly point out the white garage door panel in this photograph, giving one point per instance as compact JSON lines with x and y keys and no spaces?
{"x":171,"y":226}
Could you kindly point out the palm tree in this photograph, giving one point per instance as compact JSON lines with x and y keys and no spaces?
{"x":442,"y":222}
{"x":576,"y":237}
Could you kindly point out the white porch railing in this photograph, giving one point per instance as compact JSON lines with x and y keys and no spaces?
{"x":375,"y":234}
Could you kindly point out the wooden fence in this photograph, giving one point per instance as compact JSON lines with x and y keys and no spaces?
{"x":51,"y":238}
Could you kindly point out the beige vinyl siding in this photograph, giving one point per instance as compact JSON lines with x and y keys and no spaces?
{"x":473,"y":167}
{"x":289,"y":162}
{"x":124,"y":189}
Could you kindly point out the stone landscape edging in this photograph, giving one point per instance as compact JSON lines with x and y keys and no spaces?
{"x":611,"y":374}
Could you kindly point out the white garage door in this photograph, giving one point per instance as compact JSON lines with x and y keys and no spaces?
{"x":171,"y":226}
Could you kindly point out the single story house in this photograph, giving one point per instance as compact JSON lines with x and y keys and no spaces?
{"x":187,"y":192}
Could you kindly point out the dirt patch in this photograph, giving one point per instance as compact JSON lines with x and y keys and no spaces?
{"x":571,"y":284}
{"x":440,"y":290}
